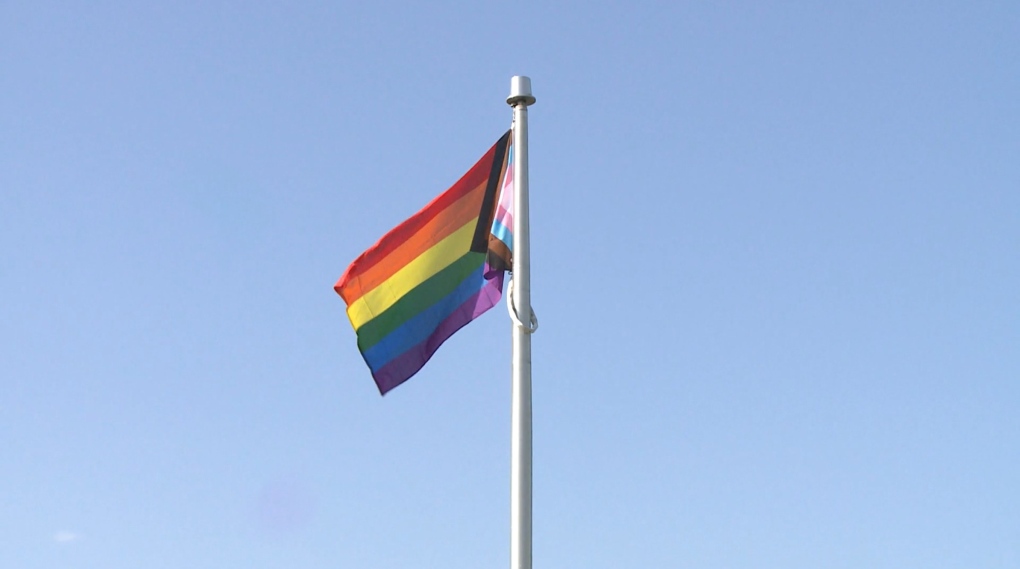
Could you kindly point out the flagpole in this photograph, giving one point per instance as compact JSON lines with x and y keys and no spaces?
{"x":520,"y":414}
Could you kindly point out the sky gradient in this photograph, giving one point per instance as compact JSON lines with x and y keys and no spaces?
{"x":774,"y":255}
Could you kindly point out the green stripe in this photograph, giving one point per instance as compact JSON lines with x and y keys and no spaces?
{"x":419,"y":298}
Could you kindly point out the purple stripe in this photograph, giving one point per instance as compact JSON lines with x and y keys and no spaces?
{"x":407,"y":364}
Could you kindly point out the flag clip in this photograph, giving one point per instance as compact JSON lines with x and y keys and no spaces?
{"x":512,"y":310}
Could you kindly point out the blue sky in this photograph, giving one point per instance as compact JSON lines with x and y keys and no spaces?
{"x":775,"y":258}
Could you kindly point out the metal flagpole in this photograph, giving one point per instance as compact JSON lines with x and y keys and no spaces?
{"x":520,"y":295}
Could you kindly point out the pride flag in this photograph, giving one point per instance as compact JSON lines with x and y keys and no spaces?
{"x":430,"y":275}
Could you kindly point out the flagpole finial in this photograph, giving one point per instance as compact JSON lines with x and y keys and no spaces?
{"x":520,"y":91}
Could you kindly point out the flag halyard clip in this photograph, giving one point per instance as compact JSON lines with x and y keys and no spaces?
{"x":512,"y":310}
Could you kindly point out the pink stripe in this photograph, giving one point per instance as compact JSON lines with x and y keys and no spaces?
{"x":505,"y":217}
{"x":504,"y":211}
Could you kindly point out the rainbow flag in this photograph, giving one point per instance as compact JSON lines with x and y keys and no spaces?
{"x":430,"y":275}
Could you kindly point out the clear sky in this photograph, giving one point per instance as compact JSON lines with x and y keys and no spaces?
{"x":776,"y":260}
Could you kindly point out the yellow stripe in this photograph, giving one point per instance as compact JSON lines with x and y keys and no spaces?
{"x":430,"y":262}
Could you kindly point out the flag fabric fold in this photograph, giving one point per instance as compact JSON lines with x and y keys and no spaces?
{"x":432,"y":274}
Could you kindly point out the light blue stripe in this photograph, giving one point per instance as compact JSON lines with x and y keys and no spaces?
{"x":499,"y":231}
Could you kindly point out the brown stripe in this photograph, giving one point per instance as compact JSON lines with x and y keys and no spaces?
{"x":498,"y":258}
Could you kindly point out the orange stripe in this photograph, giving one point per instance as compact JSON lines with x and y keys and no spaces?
{"x":441,"y":226}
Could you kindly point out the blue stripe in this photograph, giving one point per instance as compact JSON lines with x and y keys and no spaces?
{"x":418,"y":329}
{"x":499,"y":231}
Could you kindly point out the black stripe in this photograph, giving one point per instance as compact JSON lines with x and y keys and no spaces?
{"x":480,"y":241}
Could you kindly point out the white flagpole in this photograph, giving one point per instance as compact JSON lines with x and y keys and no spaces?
{"x":520,"y":294}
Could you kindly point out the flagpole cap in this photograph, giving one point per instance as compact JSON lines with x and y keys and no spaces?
{"x":520,"y":91}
